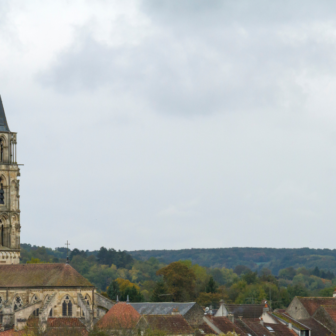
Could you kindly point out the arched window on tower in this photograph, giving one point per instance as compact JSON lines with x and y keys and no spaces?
{"x":2,"y":193}
{"x":1,"y":150}
{"x":67,"y":307}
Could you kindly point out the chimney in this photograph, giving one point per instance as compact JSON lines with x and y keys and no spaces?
{"x":262,"y":322}
{"x":240,"y":317}
{"x":175,"y":311}
{"x":127,"y":298}
{"x":290,"y":327}
{"x":210,"y":312}
{"x":334,"y":294}
{"x":117,"y":298}
{"x":265,"y":309}
{"x":231,"y":317}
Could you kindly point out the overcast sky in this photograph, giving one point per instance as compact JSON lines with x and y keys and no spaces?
{"x":173,"y":124}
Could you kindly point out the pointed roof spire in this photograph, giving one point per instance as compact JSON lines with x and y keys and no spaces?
{"x":3,"y":121}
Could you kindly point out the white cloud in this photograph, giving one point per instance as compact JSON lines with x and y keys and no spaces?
{"x":127,"y":110}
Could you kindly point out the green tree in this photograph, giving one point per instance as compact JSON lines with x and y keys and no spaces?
{"x":297,"y":290}
{"x":180,"y":281}
{"x":327,"y":292}
{"x":250,"y":277}
{"x":160,"y":293}
{"x":287,"y":273}
{"x":133,"y":294}
{"x":211,"y":286}
{"x":113,"y":290}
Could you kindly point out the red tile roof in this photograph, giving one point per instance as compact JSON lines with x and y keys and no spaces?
{"x":313,"y":303}
{"x":331,"y":310}
{"x":206,"y":329}
{"x":120,"y":316}
{"x":280,"y":329}
{"x":13,"y":332}
{"x":171,"y":324}
{"x":317,"y":329}
{"x":60,"y":322}
{"x":41,"y":275}
{"x":225,"y":325}
{"x":255,"y":327}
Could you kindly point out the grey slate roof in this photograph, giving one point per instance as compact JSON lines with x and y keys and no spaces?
{"x":3,"y":121}
{"x":161,"y":308}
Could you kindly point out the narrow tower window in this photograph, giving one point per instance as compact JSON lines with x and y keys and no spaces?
{"x":2,"y":193}
{"x":1,"y":149}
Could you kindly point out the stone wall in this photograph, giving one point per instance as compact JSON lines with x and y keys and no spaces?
{"x":195,"y":315}
{"x":297,"y":310}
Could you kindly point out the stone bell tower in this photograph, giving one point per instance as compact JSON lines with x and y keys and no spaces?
{"x":9,"y":195}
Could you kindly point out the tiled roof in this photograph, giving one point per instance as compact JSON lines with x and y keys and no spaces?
{"x":257,"y":328}
{"x":171,"y":324}
{"x":206,"y":329}
{"x":313,"y":303}
{"x":317,"y":329}
{"x":162,"y":308}
{"x":120,"y":316}
{"x":70,"y":322}
{"x":245,"y":310}
{"x":12,"y":332}
{"x":288,"y":319}
{"x":41,"y":275}
{"x":280,"y":329}
{"x":225,"y":325}
{"x":331,"y":310}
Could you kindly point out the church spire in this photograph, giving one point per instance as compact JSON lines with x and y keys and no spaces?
{"x":3,"y":121}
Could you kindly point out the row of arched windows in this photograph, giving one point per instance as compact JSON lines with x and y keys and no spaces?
{"x":66,"y":305}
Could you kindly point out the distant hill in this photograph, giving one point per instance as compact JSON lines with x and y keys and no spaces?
{"x":255,"y":258}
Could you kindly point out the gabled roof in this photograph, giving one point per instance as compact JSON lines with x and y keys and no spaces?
{"x":225,"y":325}
{"x":204,"y":328}
{"x":331,"y":310}
{"x":245,"y":310}
{"x":171,"y":324}
{"x":288,"y":319}
{"x":280,"y":329}
{"x":41,"y":275}
{"x":253,"y":327}
{"x":120,"y":316}
{"x":317,"y":329}
{"x":162,"y":308}
{"x":3,"y":121}
{"x":313,"y":303}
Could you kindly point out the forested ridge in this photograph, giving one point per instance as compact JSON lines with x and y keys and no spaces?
{"x":254,"y":258}
{"x":241,"y":275}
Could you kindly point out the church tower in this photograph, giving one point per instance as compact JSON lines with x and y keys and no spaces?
{"x":9,"y":195}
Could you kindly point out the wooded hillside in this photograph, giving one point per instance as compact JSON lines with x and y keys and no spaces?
{"x":254,"y":258}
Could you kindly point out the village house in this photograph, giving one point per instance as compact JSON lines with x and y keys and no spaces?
{"x":191,"y":311}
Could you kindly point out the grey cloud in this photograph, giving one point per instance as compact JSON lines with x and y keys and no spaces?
{"x":232,"y":68}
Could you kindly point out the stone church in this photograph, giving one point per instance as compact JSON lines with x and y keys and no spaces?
{"x":41,"y":290}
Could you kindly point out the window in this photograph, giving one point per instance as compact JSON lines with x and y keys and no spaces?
{"x":36,"y":312}
{"x":50,"y":313}
{"x":67,"y":307}
{"x":2,"y":193}
{"x":17,"y":303}
{"x":1,"y":149}
{"x":0,"y":299}
{"x":34,"y":299}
